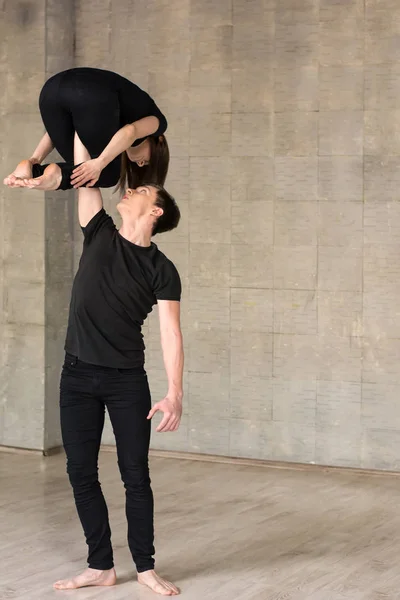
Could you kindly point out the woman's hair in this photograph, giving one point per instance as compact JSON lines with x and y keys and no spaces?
{"x":132,"y":175}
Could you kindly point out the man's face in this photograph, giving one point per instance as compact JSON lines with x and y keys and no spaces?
{"x":138,"y":202}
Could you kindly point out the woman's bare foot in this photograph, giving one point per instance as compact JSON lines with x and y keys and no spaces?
{"x":50,"y":180}
{"x":157,"y":584}
{"x":23,"y":171}
{"x":88,"y":577}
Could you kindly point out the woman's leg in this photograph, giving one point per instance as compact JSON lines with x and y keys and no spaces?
{"x":96,"y":117}
{"x":56,"y":117}
{"x":93,"y":104}
{"x":82,"y":101}
{"x":60,"y":133}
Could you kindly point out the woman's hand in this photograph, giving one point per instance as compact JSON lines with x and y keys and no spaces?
{"x":87,"y":173}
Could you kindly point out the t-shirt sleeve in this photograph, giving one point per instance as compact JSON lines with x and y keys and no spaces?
{"x":101,"y":222}
{"x":163,"y":122}
{"x":154,"y":111}
{"x":167,"y":285}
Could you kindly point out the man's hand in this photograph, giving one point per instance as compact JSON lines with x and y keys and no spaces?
{"x":87,"y":173}
{"x":171,"y":406}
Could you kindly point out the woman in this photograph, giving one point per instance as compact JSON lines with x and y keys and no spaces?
{"x":120,"y":125}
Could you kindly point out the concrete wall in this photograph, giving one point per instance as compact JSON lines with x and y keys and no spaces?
{"x":283,"y":127}
{"x":283,"y":120}
{"x":59,"y":230}
{"x":36,"y":230}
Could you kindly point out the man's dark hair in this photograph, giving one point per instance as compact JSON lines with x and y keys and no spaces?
{"x":171,"y":213}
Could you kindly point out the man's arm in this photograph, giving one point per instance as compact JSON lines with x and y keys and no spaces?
{"x":172,"y":347}
{"x":90,"y":200}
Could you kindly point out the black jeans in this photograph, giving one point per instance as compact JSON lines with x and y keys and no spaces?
{"x":85,"y":391}
{"x":86,"y":101}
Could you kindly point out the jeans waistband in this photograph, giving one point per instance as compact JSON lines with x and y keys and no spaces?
{"x":72,"y":360}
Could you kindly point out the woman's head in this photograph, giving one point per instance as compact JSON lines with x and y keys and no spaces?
{"x":150,"y":164}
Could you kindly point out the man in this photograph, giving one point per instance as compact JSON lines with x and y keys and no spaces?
{"x":121,"y":275}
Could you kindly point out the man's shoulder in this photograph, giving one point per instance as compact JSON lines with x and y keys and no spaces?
{"x":100,"y":222}
{"x":161,"y":260}
{"x":166,"y":279}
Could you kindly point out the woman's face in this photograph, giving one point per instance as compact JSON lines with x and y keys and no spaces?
{"x":140,"y":154}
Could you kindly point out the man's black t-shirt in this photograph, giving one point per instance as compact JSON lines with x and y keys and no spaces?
{"x":114,"y":290}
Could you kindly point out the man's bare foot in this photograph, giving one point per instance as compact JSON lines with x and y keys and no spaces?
{"x":23,"y":171}
{"x":88,"y":577}
{"x":50,"y":180}
{"x":157,"y":584}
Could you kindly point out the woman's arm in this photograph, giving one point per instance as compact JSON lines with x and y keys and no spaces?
{"x":89,"y":172}
{"x":44,"y":148}
{"x":125,"y":137}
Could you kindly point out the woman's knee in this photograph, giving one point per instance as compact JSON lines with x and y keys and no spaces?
{"x":48,"y":93}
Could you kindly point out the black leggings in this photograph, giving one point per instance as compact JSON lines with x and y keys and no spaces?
{"x":85,"y":391}
{"x":85,"y":101}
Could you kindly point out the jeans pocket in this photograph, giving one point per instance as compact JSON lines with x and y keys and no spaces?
{"x":70,"y":361}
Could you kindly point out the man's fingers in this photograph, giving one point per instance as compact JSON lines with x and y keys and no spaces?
{"x":153,"y":411}
{"x":175,"y":425}
{"x":167,"y":424}
{"x":171,"y":426}
{"x":164,"y":421}
{"x":163,"y":426}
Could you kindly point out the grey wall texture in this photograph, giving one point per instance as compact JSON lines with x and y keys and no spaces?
{"x":284,"y":123}
{"x":36,"y":230}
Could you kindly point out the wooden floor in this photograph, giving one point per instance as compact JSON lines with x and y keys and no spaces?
{"x":224,"y":532}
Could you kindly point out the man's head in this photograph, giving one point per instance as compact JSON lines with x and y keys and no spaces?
{"x":151,"y":205}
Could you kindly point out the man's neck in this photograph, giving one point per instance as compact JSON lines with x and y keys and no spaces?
{"x":136,"y":235}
